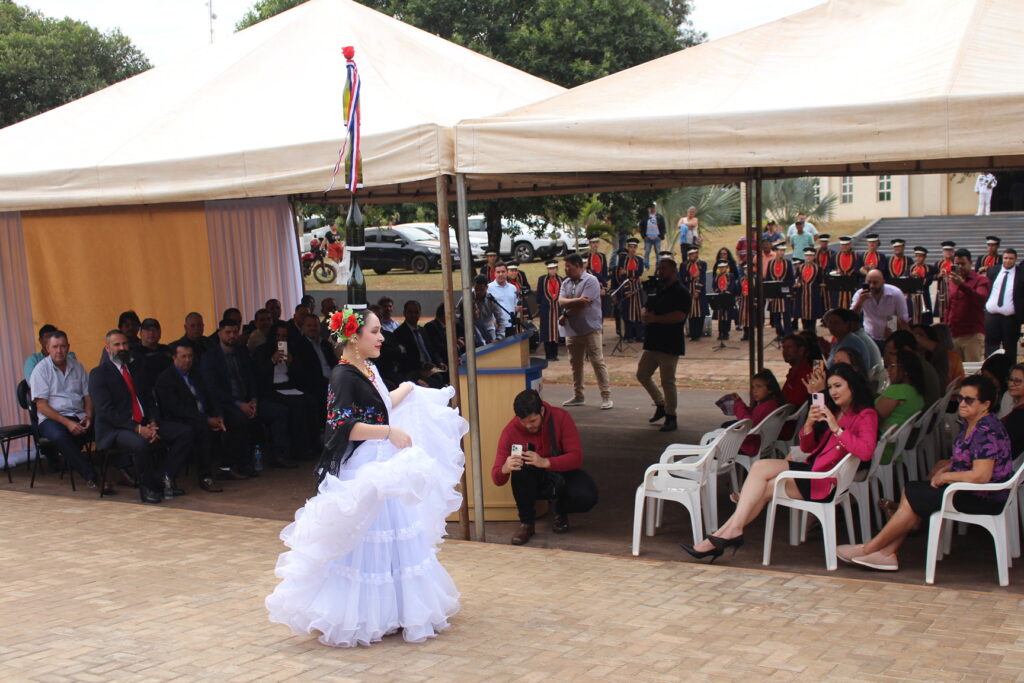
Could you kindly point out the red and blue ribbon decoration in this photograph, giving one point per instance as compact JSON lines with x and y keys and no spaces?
{"x":350,"y":153}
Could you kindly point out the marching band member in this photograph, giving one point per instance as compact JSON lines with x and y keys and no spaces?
{"x":780,"y":270}
{"x":991,"y":258}
{"x":824,"y":259}
{"x":845,"y":262}
{"x":746,"y":315}
{"x":488,"y":268}
{"x":549,"y":286}
{"x":631,"y":269}
{"x":724,"y":282}
{"x":898,"y":264}
{"x":920,"y":303}
{"x":693,"y":276}
{"x":597,"y":263}
{"x":872,"y":259}
{"x":941,"y":273}
{"x":806,"y":292}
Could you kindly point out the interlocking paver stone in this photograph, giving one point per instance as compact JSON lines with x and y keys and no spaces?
{"x":94,"y":592}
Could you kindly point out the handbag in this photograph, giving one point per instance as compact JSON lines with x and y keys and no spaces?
{"x":552,"y":483}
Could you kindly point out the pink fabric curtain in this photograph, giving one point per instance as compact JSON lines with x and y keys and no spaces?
{"x":253,"y":254}
{"x":15,"y":316}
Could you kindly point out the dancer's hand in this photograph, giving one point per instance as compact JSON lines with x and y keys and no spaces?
{"x":399,"y":438}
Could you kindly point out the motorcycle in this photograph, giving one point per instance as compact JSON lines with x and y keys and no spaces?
{"x":313,"y":264}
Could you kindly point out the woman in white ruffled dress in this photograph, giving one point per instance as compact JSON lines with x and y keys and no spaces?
{"x":363,"y":561}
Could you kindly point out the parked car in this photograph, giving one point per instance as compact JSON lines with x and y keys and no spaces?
{"x":408,"y":247}
{"x":477,"y":242}
{"x":519,"y":240}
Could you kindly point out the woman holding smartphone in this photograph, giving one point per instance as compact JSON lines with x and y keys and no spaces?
{"x":839,"y":422}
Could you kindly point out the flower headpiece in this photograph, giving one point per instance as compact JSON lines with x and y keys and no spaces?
{"x":344,"y":324}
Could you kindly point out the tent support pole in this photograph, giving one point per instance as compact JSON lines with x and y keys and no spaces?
{"x":449,"y":325}
{"x":466,"y":262}
{"x":751,"y":290}
{"x":758,"y":209}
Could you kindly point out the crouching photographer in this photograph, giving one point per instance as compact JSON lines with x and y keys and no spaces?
{"x":540,"y":452}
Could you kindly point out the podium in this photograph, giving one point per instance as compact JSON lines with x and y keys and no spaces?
{"x":503,"y":369}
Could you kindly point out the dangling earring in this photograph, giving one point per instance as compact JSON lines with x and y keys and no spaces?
{"x":356,"y":348}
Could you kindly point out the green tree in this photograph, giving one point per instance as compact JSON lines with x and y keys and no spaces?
{"x":784,"y":199}
{"x":717,"y":206}
{"x":47,"y":62}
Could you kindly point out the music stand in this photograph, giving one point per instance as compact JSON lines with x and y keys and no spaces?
{"x":910,"y":285}
{"x":621,"y":347}
{"x":776,"y":289}
{"x":722,"y":301}
{"x":843,"y":283}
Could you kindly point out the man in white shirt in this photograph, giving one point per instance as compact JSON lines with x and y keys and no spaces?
{"x":983,"y":186}
{"x":504,"y":293}
{"x":60,"y":390}
{"x":878,"y":304}
{"x":1003,"y":307}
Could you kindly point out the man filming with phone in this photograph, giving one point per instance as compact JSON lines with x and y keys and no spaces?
{"x":879,"y":303}
{"x":540,"y":452}
{"x":965,"y":315}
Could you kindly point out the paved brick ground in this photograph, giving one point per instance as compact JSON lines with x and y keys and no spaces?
{"x":93,"y":591}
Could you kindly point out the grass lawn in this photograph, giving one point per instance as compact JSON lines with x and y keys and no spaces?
{"x":403,"y":280}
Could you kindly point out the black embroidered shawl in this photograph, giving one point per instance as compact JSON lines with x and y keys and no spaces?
{"x":351,"y":398}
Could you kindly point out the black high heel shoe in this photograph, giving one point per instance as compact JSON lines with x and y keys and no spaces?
{"x":714,"y":553}
{"x":722,"y":543}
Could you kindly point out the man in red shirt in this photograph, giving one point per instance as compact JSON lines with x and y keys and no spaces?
{"x":549,"y":466}
{"x":794,"y":352}
{"x":968,"y":292}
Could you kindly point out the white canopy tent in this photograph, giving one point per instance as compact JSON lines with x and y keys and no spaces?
{"x":260,"y":114}
{"x":848,"y":87}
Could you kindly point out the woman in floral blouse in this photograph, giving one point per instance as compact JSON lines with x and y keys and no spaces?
{"x":981,"y":455}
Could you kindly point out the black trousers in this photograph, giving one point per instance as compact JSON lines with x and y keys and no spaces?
{"x":244,"y":433}
{"x":578,"y":495}
{"x":146,"y":457}
{"x":1002,"y":330}
{"x":551,"y":350}
{"x":304,"y":422}
{"x":203,"y":444}
{"x":696,"y":325}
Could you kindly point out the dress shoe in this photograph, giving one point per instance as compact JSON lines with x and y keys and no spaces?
{"x":523,"y":534}
{"x":209,"y":485}
{"x":230,"y":474}
{"x":170,"y":489}
{"x":560,"y":524}
{"x":148,"y":495}
{"x":108,"y":490}
{"x":284,"y":463}
{"x":659,"y":412}
{"x":670,"y":424}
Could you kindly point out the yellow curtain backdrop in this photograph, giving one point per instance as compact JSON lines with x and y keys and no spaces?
{"x":86,"y":266}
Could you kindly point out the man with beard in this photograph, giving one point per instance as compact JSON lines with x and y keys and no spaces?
{"x":124,"y":422}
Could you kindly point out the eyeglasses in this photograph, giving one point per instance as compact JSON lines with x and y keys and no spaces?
{"x":1016,"y":380}
{"x":969,"y":400}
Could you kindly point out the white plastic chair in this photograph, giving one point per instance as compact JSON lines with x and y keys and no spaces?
{"x":926,"y":449}
{"x":843,"y":472}
{"x":878,"y":378}
{"x":796,"y":419}
{"x":883,"y":474}
{"x":684,"y":482}
{"x":768,"y":429}
{"x":999,"y":525}
{"x":908,"y":454}
{"x":860,"y":487}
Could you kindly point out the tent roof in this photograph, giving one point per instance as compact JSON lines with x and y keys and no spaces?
{"x":260,"y":114}
{"x":845,"y":88}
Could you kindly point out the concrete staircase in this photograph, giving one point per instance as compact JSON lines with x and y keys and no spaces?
{"x":930,"y":231}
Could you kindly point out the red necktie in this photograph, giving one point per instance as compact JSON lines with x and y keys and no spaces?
{"x":136,"y":408}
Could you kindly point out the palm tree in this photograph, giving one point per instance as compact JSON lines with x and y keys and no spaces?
{"x":784,"y":199}
{"x":717,"y":205}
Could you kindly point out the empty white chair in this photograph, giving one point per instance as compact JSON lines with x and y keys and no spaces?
{"x":684,"y":482}
{"x":860,"y":487}
{"x":883,"y":474}
{"x":926,"y":450}
{"x":768,"y":429}
{"x":843,"y":472}
{"x":997,"y":525}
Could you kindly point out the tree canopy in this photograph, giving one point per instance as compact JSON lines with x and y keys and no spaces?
{"x":47,"y":62}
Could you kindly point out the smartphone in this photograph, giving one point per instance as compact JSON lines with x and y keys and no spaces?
{"x":818,"y":400}
{"x":517,"y":449}
{"x":283,"y":346}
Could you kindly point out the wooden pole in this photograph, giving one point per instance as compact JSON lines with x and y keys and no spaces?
{"x":758,"y":230}
{"x":449,"y":327}
{"x":466,"y":261}
{"x":751,"y":288}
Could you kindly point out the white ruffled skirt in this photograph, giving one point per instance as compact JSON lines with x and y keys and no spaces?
{"x":363,"y":559}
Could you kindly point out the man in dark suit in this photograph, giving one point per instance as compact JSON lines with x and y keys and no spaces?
{"x":124,"y":421}
{"x":1004,"y":307}
{"x":228,"y":375}
{"x":419,"y":362}
{"x":182,"y":399}
{"x":313,"y":359}
{"x":436,"y":336}
{"x":273,"y":363}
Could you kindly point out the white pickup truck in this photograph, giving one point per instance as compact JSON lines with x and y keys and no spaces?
{"x":520,"y":242}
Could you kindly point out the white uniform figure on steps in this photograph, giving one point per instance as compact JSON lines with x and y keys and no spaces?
{"x":983,"y":186}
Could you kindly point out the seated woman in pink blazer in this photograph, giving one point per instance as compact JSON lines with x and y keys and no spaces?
{"x":847,"y":424}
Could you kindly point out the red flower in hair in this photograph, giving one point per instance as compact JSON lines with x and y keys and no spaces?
{"x":351,"y":325}
{"x":336,"y":320}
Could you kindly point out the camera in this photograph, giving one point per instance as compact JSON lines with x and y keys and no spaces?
{"x":650,"y":286}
